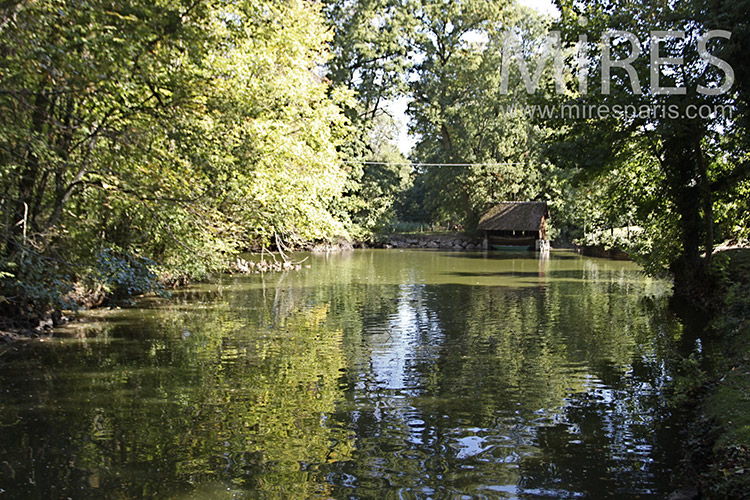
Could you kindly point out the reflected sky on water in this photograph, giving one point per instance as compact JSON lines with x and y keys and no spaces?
{"x":368,"y":374}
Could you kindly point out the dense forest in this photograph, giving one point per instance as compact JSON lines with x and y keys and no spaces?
{"x":147,"y":143}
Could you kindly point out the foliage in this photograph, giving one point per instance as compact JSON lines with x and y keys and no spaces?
{"x":689,"y":377}
{"x":179,"y":132}
{"x":622,"y":238}
{"x":122,"y":275}
{"x":727,"y":403}
{"x":371,"y":52}
{"x":371,"y":58}
{"x":376,"y":183}
{"x":410,"y":227}
{"x":689,"y":172}
{"x":463,"y":115}
{"x":31,"y":285}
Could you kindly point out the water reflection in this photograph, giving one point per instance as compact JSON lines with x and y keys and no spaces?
{"x":372,"y":374}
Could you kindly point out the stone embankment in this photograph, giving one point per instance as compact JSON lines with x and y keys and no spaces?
{"x":443,"y":241}
{"x":243,"y":266}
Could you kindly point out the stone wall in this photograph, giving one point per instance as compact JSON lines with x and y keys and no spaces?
{"x":455,"y":241}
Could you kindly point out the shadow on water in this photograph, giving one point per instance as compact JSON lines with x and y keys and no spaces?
{"x":511,"y":254}
{"x":513,"y":274}
{"x":578,"y":274}
{"x":361,"y":378}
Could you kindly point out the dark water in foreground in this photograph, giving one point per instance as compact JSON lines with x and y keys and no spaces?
{"x":373,"y":374}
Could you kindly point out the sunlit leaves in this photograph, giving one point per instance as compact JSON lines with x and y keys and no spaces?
{"x":181,"y":131}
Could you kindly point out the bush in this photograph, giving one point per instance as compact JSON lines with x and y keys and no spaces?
{"x":32,"y":286}
{"x":409,"y":227}
{"x":620,"y":238}
{"x":122,"y":275}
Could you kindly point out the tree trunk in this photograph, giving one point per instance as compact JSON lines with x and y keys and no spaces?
{"x":29,"y":175}
{"x":687,"y":182}
{"x":707,"y":206}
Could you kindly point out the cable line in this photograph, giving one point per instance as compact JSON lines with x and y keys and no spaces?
{"x":435,"y":164}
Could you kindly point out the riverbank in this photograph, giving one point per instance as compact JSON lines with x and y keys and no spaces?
{"x":461,"y":241}
{"x":124,"y":278}
{"x":718,"y":390}
{"x":120,"y":284}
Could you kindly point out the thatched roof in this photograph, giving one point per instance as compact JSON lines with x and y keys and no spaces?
{"x":514,"y":216}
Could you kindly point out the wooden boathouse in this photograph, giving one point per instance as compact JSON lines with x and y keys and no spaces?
{"x":516,"y":224}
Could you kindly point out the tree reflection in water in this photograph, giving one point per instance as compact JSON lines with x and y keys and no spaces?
{"x":374,"y":374}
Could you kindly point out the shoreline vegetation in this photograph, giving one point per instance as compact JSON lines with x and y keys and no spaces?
{"x":122,"y":278}
{"x":714,"y":388}
{"x":125,"y":278}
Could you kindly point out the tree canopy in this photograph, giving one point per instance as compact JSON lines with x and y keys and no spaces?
{"x":668,"y":136}
{"x":174,"y":132}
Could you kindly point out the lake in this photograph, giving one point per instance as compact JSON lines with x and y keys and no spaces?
{"x":369,"y":374}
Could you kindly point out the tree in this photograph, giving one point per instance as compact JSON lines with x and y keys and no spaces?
{"x":178,"y":132}
{"x":371,"y":51}
{"x":379,"y":181}
{"x":681,"y":141}
{"x":463,"y":115}
{"x":371,"y":56}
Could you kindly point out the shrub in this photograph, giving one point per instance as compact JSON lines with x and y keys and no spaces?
{"x":122,"y":275}
{"x":31,"y":286}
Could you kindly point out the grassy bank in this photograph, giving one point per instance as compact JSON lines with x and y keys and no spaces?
{"x":719,"y":437}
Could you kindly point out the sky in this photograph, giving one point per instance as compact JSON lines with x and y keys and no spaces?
{"x":543,"y":6}
{"x":397,"y":108}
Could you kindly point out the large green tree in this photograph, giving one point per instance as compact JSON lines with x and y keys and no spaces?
{"x":372,"y":52}
{"x":466,"y":111}
{"x":175,"y":131}
{"x":664,"y":95}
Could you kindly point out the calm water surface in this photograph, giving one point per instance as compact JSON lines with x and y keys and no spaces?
{"x":372,"y":374}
